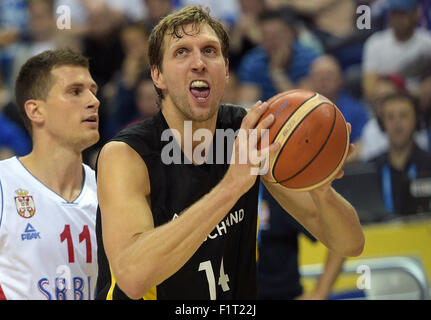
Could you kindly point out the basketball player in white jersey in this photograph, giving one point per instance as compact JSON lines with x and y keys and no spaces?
{"x":48,"y":198}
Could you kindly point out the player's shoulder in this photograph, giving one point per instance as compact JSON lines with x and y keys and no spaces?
{"x":115,"y":160}
{"x":144,"y":136}
{"x":8,"y":165}
{"x":144,"y":127}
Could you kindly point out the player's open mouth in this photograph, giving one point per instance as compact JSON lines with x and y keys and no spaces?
{"x":200,"y":90}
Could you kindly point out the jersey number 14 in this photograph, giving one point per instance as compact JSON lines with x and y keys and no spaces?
{"x":222,"y":280}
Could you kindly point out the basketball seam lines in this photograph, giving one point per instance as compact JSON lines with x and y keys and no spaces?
{"x":281,"y":128}
{"x":291,"y":115}
{"x":321,"y":148}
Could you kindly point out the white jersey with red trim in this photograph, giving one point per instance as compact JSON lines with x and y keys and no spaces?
{"x":47,"y":245}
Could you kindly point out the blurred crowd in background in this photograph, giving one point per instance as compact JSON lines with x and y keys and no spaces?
{"x":371,"y":58}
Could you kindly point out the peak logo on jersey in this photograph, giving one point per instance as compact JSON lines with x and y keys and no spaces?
{"x":30,"y":233}
{"x":24,"y":204}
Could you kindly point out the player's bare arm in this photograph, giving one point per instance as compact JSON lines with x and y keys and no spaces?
{"x":142,"y":256}
{"x":325,"y":214}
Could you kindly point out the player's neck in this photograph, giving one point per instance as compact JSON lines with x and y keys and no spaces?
{"x":60,"y":170}
{"x":187,"y":129}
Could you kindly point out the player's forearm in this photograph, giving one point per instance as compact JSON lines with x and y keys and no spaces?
{"x":333,"y":267}
{"x":339,"y":225}
{"x":326,"y":215}
{"x":157,"y":254}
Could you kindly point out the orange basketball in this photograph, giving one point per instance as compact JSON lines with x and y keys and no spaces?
{"x":313,"y":138}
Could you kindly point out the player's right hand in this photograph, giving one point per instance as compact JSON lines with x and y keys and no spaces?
{"x":246,"y":156}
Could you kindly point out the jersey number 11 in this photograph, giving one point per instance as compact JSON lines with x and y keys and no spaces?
{"x":84,"y":235}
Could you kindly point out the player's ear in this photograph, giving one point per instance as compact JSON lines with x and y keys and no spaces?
{"x":34,"y":111}
{"x":158,"y":78}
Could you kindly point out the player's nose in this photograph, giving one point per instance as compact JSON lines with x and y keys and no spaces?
{"x":93,"y":101}
{"x":198,"y":63}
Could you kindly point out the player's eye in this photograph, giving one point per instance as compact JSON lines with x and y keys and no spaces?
{"x":75,"y":92}
{"x":180,"y":52}
{"x":210,"y":51}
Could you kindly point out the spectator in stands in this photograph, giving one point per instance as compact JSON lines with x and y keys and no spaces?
{"x":6,"y":153}
{"x":146,"y":97}
{"x":230,"y":95}
{"x":125,"y":11}
{"x":137,"y":103}
{"x":4,"y":92}
{"x":41,"y":37}
{"x":374,"y":139}
{"x":134,"y":41}
{"x":425,"y":105}
{"x":13,"y":139}
{"x":278,"y":255}
{"x":156,"y":10}
{"x":278,"y":64}
{"x":424,"y":97}
{"x":245,"y":32}
{"x":425,"y":14}
{"x":14,"y":15}
{"x":14,"y":22}
{"x":397,"y":49}
{"x":121,"y":12}
{"x":102,"y":44}
{"x":226,"y":11}
{"x":329,"y":18}
{"x":326,"y":77}
{"x":404,"y":161}
{"x":380,"y":7}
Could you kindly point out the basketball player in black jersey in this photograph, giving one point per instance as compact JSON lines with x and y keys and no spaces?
{"x":188,"y":230}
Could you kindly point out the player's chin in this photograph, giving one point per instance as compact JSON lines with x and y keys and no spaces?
{"x":201,"y":113}
{"x":94,"y":137}
{"x":89,"y":139}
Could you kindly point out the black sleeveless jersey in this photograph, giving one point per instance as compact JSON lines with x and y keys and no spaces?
{"x":224,"y":266}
